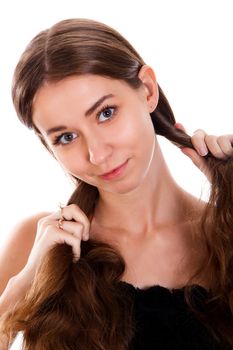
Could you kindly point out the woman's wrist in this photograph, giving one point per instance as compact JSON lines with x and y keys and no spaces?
{"x":15,"y":290}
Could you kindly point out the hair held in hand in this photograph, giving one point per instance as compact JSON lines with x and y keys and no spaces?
{"x":82,"y":305}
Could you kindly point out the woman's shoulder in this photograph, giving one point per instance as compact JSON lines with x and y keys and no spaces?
{"x":25,"y":230}
{"x":16,"y":249}
{"x":192,"y":207}
{"x":29,"y":224}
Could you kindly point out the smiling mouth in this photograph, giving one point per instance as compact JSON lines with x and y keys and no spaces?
{"x":114,"y":172}
{"x":111,"y":171}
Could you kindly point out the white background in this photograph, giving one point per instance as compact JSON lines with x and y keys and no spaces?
{"x":189,"y":45}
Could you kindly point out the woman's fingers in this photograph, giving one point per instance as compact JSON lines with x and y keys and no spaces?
{"x":214,"y":147}
{"x":52,"y":234}
{"x":225,"y":142}
{"x":219,"y":146}
{"x":74,"y":228}
{"x":199,"y":143}
{"x":70,"y":213}
{"x":69,"y":225}
{"x":75,"y":214}
{"x":74,"y":241}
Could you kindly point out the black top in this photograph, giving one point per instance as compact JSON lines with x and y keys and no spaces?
{"x":163,"y":320}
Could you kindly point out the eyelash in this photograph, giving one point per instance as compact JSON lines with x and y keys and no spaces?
{"x":104,"y":108}
{"x":57,"y":139}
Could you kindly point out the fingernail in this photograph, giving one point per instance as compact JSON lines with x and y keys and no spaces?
{"x":203,"y":151}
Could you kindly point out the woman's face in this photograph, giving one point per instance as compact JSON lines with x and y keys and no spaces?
{"x":99,"y":129}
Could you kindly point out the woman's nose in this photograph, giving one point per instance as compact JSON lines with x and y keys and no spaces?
{"x":99,"y":151}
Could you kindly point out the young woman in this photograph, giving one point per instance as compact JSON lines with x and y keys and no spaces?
{"x":132,"y":261}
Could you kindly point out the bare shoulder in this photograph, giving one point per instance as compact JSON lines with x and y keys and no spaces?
{"x":15,"y":252}
{"x":192,"y":206}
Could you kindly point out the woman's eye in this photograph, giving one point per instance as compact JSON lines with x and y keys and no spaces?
{"x":106,"y":113}
{"x":64,"y":139}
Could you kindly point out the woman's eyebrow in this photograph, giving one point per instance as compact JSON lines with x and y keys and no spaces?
{"x":97,"y":104}
{"x":87,"y":113}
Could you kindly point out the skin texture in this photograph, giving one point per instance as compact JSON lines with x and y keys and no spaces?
{"x":137,"y":210}
{"x":100,"y":147}
{"x":147,"y":225}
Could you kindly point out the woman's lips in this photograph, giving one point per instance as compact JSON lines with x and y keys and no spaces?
{"x":115,"y":172}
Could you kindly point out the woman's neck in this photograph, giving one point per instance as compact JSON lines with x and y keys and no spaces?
{"x":157,"y":202}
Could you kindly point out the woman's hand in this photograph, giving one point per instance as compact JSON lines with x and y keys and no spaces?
{"x":219,"y":146}
{"x":69,"y":225}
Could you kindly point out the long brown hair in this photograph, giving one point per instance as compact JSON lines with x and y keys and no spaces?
{"x":82,"y":305}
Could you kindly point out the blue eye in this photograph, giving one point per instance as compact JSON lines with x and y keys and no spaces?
{"x":65,"y":138}
{"x":106,"y":113}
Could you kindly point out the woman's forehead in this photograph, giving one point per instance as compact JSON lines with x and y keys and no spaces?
{"x":76,"y":92}
{"x":85,"y":87}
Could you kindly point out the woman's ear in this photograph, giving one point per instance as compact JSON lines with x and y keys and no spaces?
{"x":148,"y":79}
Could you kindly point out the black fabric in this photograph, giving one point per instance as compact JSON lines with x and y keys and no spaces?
{"x":163,"y":320}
